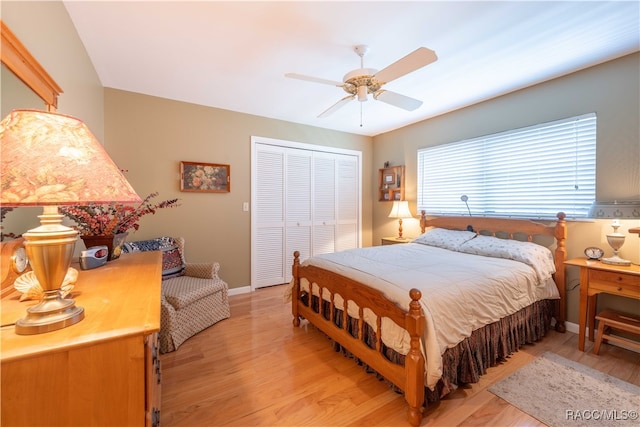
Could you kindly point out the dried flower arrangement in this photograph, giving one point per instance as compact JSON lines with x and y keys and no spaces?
{"x":114,"y":218}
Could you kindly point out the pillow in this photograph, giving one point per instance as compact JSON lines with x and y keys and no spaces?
{"x":444,"y":238}
{"x":173,"y":263}
{"x":538,"y":257}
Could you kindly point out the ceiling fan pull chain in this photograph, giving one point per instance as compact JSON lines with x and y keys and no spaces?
{"x":361,"y":114}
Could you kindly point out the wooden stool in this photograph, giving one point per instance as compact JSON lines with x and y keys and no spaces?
{"x":609,"y":319}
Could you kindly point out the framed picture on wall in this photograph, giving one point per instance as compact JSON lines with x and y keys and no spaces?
{"x":389,"y":178}
{"x":205,"y":177}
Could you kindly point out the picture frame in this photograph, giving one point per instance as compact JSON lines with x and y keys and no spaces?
{"x":389,"y":178}
{"x":199,"y":177}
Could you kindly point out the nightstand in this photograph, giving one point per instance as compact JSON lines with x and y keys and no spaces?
{"x":595,"y":278}
{"x":395,"y":240}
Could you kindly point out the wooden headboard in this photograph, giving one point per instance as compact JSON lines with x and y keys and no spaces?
{"x":511,"y":228}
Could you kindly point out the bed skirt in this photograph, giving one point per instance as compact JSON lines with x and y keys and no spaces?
{"x":471,"y":358}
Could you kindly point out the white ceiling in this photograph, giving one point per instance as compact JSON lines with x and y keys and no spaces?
{"x":233,"y":55}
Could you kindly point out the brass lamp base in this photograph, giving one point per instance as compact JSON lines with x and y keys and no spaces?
{"x":51,"y":314}
{"x":50,"y":249}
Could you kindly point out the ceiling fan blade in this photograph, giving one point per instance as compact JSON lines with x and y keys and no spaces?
{"x":397,"y":100}
{"x":313,"y":79}
{"x":419,"y":58}
{"x":335,"y":107}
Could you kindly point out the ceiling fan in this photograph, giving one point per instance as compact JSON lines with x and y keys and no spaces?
{"x":361,"y":82}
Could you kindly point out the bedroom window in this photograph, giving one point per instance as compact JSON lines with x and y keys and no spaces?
{"x":532,"y":172}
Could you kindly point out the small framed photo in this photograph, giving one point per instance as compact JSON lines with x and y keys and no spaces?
{"x":205,"y":177}
{"x":389,"y":178}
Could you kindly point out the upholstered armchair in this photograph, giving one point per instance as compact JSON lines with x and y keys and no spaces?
{"x":193,"y":295}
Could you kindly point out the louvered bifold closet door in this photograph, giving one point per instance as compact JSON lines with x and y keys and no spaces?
{"x":297,"y":207}
{"x":304,"y":200}
{"x":347,"y":227}
{"x":324,"y":203}
{"x":267,"y":253}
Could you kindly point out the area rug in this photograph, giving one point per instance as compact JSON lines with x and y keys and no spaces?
{"x":560,"y":392}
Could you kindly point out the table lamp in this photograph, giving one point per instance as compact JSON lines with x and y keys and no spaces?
{"x":50,"y":159}
{"x":400,"y":210}
{"x":618,"y":211}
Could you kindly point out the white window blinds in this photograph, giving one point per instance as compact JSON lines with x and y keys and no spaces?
{"x":532,"y":172}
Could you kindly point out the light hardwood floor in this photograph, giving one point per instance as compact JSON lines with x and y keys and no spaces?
{"x":256,"y":369}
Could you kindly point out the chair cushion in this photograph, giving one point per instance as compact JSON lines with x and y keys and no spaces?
{"x":173,"y":263}
{"x":182,"y":291}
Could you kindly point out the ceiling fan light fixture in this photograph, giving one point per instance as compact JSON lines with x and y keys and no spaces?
{"x":362,"y":93}
{"x":359,"y":83}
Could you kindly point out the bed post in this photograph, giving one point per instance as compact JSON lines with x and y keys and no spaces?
{"x":560,"y":257}
{"x":295,"y":293}
{"x":423,"y":221}
{"x":414,"y":361}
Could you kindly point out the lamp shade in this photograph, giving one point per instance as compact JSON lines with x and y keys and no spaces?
{"x":400,"y":209}
{"x":54,"y":159}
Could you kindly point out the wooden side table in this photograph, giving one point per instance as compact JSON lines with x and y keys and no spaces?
{"x":395,"y":240}
{"x":596,"y":278}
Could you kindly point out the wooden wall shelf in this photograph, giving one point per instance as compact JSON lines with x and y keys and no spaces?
{"x":391,"y":183}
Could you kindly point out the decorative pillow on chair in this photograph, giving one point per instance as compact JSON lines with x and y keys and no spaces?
{"x":172,"y":258}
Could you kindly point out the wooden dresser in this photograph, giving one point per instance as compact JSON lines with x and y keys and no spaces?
{"x":103,"y":370}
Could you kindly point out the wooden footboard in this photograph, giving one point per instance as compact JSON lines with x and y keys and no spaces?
{"x":410,"y":377}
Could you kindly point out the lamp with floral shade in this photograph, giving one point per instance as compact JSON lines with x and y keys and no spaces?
{"x":51,"y":159}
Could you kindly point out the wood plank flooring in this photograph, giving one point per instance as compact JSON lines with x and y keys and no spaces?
{"x":256,"y":369}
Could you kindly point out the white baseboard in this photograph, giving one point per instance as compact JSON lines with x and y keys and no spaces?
{"x":574,"y":328}
{"x":240,"y":290}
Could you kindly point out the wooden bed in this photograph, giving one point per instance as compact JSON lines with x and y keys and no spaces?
{"x":409,"y":377}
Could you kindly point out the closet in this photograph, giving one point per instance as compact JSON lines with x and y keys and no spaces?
{"x":305,"y":198}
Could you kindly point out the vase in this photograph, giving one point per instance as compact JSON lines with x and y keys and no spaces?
{"x":113,"y":242}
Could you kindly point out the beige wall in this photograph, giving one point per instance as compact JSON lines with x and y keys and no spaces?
{"x":149,"y":136}
{"x":612,"y":90}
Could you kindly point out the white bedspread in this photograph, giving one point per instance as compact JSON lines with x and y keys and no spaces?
{"x":460,"y":292}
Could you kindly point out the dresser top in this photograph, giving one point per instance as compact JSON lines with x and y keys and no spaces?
{"x":120,"y":298}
